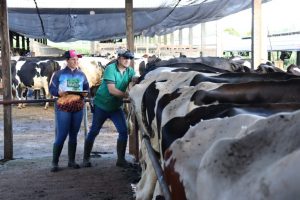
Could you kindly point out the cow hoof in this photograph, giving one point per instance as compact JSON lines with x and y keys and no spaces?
{"x":45,"y":108}
{"x":20,"y":107}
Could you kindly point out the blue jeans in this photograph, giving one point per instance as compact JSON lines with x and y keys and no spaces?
{"x":67,"y":123}
{"x":100,"y":116}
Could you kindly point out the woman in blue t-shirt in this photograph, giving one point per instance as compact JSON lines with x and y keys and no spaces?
{"x":70,"y":85}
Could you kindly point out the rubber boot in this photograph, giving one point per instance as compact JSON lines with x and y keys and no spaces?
{"x":121,"y":149}
{"x":71,"y":155}
{"x":56,"y":153}
{"x":88,"y":146}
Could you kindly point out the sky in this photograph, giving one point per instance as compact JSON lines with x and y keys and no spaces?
{"x":277,"y":14}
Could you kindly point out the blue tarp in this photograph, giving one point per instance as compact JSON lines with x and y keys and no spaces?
{"x":62,"y":24}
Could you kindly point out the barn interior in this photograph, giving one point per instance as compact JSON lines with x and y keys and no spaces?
{"x":36,"y":22}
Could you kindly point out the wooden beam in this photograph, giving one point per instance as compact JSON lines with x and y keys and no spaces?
{"x":6,"y":76}
{"x":203,"y":39}
{"x":23,"y":42}
{"x":129,"y":24}
{"x":11,"y":39}
{"x":180,"y":36}
{"x":298,"y":58}
{"x":133,"y":137}
{"x":17,"y":41}
{"x":172,"y":38}
{"x":165,"y":39}
{"x":27,"y":44}
{"x":256,"y":43}
{"x":191,"y":35}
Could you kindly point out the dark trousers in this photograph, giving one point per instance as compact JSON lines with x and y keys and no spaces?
{"x":100,"y":116}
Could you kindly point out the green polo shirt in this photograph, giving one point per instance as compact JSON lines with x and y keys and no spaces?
{"x":103,"y":98}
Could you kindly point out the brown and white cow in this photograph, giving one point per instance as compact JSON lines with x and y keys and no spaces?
{"x":217,"y":134}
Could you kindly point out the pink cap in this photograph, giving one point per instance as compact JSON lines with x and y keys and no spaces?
{"x":72,"y":54}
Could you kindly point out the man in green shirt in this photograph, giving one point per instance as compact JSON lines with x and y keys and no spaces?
{"x":108,"y":103}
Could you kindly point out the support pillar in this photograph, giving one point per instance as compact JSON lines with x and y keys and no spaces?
{"x":6,"y":72}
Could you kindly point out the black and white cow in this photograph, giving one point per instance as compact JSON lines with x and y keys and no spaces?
{"x":35,"y":73}
{"x":219,"y":134}
{"x":293,"y":69}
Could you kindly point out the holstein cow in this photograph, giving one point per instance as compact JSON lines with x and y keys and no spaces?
{"x":93,"y":68}
{"x":219,"y":134}
{"x":293,"y":69}
{"x":35,"y":73}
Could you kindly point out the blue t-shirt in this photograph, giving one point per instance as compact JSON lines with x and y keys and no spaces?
{"x":68,"y":80}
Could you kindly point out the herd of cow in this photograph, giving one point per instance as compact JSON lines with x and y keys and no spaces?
{"x":219,"y":129}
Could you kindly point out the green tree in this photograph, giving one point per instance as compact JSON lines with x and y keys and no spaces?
{"x":232,"y":31}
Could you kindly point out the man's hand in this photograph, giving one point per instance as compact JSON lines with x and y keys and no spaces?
{"x":126,"y":95}
{"x":134,"y":79}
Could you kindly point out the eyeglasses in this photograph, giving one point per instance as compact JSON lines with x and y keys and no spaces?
{"x":127,"y":58}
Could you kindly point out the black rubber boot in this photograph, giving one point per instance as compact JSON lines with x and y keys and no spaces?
{"x":121,"y":149}
{"x":56,"y":153}
{"x":88,"y":146}
{"x":71,"y":154}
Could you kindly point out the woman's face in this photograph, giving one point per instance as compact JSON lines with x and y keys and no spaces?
{"x":124,"y":61}
{"x":72,"y":62}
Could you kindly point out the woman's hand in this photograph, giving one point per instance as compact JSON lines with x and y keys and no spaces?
{"x":62,"y":93}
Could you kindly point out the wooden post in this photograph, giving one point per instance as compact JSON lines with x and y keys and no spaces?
{"x":203,"y":39}
{"x":23,"y":42}
{"x":11,"y":39}
{"x":147,"y":44}
{"x":130,"y":45}
{"x":28,"y":44}
{"x":172,"y":38}
{"x":298,"y":58}
{"x":191,"y":36}
{"x":129,"y":24}
{"x":256,"y":43}
{"x":17,"y":41}
{"x":5,"y":56}
{"x":190,"y":40}
{"x":165,"y":39}
{"x":180,"y":36}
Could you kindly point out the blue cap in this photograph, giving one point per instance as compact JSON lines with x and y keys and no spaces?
{"x":126,"y":54}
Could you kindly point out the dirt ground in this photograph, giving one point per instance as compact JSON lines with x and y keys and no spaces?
{"x":28,"y":176}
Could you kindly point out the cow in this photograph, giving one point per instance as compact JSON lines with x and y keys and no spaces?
{"x":93,"y":68}
{"x":36,"y":74}
{"x":205,"y":123}
{"x":267,"y":68}
{"x":293,"y":69}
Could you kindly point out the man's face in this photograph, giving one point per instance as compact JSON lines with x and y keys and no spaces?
{"x":72,"y":62}
{"x":124,"y":61}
